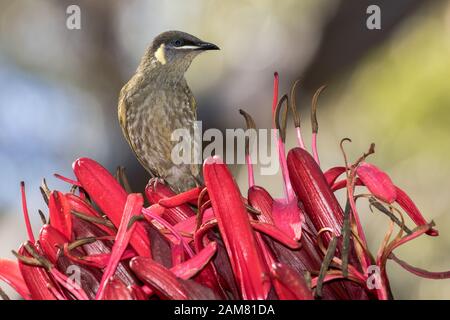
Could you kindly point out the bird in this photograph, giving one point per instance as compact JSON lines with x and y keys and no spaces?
{"x":156,"y":101}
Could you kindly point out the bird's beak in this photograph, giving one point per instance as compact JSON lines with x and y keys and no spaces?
{"x":207,"y":46}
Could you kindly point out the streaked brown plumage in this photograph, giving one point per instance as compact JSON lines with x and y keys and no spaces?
{"x":156,"y":101}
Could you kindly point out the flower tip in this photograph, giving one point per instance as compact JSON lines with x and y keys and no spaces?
{"x":77,"y":163}
{"x":213,"y":160}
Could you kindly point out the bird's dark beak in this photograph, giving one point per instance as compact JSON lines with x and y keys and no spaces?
{"x":207,"y":46}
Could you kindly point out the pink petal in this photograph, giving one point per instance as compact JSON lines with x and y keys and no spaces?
{"x":377,"y":181}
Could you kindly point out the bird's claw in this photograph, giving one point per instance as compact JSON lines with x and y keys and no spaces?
{"x":154,"y":182}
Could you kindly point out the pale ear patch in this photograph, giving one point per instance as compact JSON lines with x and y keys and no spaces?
{"x":160,"y":54}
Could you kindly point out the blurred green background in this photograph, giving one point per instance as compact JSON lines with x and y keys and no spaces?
{"x":59,"y":89}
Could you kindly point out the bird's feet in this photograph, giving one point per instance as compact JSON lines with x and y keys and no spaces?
{"x":154,"y":182}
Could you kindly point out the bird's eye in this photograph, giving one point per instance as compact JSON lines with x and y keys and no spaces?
{"x":178,"y":43}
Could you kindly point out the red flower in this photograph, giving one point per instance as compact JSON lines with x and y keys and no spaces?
{"x":211,"y":242}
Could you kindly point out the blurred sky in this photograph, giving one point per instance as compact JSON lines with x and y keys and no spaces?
{"x":59,"y":89}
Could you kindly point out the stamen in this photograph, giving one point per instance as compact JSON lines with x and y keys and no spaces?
{"x":25,"y":212}
{"x":325,"y":265}
{"x":201,"y":211}
{"x":93,"y":219}
{"x":3,"y":295}
{"x":288,"y":191}
{"x":248,"y":159}
{"x":281,"y":127}
{"x":374,"y":203}
{"x":68,"y":180}
{"x":295,"y":114}
{"x":315,"y":124}
{"x":121,"y":177}
{"x":45,"y":191}
{"x":346,"y":239}
{"x":27,"y":260}
{"x":275,"y":94}
{"x":42,"y":216}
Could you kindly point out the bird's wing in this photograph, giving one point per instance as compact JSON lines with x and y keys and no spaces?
{"x":122,"y":113}
{"x":194,"y":168}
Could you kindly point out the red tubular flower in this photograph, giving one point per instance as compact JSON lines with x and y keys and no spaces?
{"x":110,"y":197}
{"x":239,"y":238}
{"x":210,"y":242}
{"x":312,"y":189}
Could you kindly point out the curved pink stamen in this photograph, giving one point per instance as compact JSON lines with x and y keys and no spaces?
{"x":251,"y":176}
{"x":25,"y":213}
{"x":314,"y":148}
{"x":300,"y":142}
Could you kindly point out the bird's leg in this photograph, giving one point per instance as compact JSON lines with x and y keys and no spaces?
{"x":198,"y":181}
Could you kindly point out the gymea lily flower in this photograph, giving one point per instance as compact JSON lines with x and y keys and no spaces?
{"x":103,"y":242}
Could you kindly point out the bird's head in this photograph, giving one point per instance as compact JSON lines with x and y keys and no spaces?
{"x":178,"y":49}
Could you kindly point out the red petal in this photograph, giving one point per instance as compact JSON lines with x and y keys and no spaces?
{"x":37,"y":280}
{"x":276,"y":234}
{"x":260,"y":199}
{"x":156,"y":191}
{"x":10,"y":273}
{"x":377,"y":181}
{"x":421,"y":272}
{"x":236,"y":231}
{"x":60,"y":216}
{"x":49,"y":240}
{"x":288,"y":217}
{"x":160,"y":278}
{"x":79,"y":205}
{"x":313,"y":191}
{"x":289,"y":285}
{"x":132,"y":208}
{"x":332,"y":174}
{"x":84,"y":229}
{"x":110,"y":197}
{"x":405,"y":202}
{"x":191,"y":267}
{"x":117,"y":290}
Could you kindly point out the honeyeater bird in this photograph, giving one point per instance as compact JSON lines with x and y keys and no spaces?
{"x":156,"y":101}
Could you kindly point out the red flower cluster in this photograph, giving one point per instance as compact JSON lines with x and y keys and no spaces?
{"x":210,"y":242}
